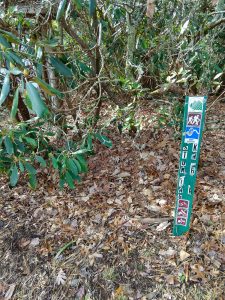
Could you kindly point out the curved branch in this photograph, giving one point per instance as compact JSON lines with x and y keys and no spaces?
{"x":213,"y":25}
{"x":82,"y":44}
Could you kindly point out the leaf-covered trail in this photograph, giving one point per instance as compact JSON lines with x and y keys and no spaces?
{"x":116,"y":226}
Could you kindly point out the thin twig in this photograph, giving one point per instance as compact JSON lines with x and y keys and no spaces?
{"x":218,"y":98}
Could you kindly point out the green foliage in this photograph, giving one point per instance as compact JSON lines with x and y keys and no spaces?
{"x":61,"y":68}
{"x":38,"y":105}
{"x":5,"y":89}
{"x":28,"y":148}
{"x":170,"y":115}
{"x":127,"y":119}
{"x":15,"y":104}
{"x":61,"y":9}
{"x":92,"y":7}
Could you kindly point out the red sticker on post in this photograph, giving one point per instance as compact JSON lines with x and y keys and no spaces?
{"x":183,"y":203}
{"x":181,"y":221}
{"x":182,"y":212}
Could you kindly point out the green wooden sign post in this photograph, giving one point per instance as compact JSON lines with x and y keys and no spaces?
{"x":194,"y":116}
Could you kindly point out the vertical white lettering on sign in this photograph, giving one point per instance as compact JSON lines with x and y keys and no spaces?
{"x":181,"y":181}
{"x":182,"y":170}
{"x":194,"y":156}
{"x":192,"y":168}
{"x":180,"y":190}
{"x":195,"y":147}
{"x":189,"y":190}
{"x":183,"y":164}
{"x":184,"y":155}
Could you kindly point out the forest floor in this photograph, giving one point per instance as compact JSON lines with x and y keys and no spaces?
{"x":110,"y":238}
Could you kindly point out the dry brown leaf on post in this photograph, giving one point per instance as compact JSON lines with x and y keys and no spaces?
{"x":150,"y":8}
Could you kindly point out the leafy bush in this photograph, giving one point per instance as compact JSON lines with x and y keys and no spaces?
{"x":28,"y":147}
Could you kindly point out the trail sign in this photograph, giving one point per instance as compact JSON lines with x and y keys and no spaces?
{"x":194,"y":116}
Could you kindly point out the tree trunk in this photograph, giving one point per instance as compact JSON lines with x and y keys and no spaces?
{"x":131,"y":44}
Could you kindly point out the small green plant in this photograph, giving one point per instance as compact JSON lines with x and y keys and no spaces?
{"x":109,"y":274}
{"x":171,"y":116}
{"x":121,"y":297}
{"x":127,"y":120}
{"x":182,"y":277}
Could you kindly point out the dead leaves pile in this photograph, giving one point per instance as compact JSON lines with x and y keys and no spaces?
{"x":111,"y":237}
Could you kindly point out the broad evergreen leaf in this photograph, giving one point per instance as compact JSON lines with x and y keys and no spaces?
{"x":41,"y":161}
{"x":15,"y":58}
{"x":19,"y":145}
{"x":78,"y":165}
{"x":39,"y":53}
{"x":30,"y":169}
{"x":82,"y":151}
{"x":30,"y":141}
{"x":33,"y":180}
{"x":38,"y":104}
{"x":68,"y":11}
{"x":14,"y":176}
{"x":5,"y":89}
{"x":21,"y":166}
{"x":92,"y":7}
{"x":104,"y":140}
{"x":184,"y":27}
{"x":61,"y":9}
{"x":69,"y":180}
{"x":72,"y":166}
{"x":47,"y":88}
{"x":10,"y":36}
{"x":4,"y":42}
{"x":15,"y":104}
{"x":55,"y":163}
{"x":39,"y":70}
{"x":83,"y":162}
{"x":60,"y":67}
{"x":89,"y":142}
{"x":8,"y":145}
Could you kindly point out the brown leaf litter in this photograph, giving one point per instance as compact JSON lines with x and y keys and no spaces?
{"x":111,"y":237}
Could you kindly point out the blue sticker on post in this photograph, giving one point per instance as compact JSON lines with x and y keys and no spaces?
{"x":192,"y":134}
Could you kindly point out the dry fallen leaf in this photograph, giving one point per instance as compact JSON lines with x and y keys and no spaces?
{"x":170,"y":279}
{"x":35,"y":242}
{"x":161,"y":202}
{"x":119,"y":291}
{"x":199,"y":272}
{"x":10,"y":292}
{"x":129,"y":199}
{"x":151,"y":220}
{"x":184,"y":255}
{"x":147,"y":192}
{"x":2,"y":288}
{"x":61,"y":277}
{"x":170,"y":252}
{"x":80,"y":293}
{"x":124,"y":174}
{"x":162,"y":226}
{"x":166,"y":176}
